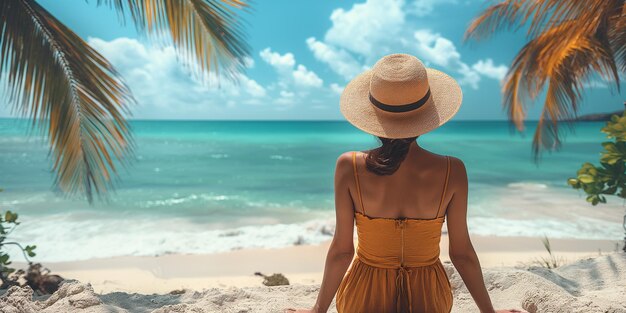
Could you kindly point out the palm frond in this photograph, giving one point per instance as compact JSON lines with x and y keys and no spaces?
{"x":564,"y":66}
{"x":617,"y":36}
{"x":588,"y":14}
{"x":540,"y":16}
{"x":499,"y":16}
{"x":208,"y":34}
{"x":58,"y":80}
{"x":514,"y":95}
{"x":568,"y":42}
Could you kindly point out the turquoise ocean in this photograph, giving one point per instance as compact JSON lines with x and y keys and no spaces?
{"x":214,"y":186}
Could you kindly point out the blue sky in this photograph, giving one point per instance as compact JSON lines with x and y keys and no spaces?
{"x":303,"y":54}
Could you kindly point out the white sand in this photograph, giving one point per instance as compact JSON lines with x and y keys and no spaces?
{"x":300,"y":264}
{"x":589,"y":285}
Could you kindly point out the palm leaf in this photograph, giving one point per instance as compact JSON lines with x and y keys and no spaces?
{"x":563,"y":66}
{"x":568,"y":42}
{"x":617,"y":36}
{"x":208,"y":34}
{"x":499,"y":16}
{"x":58,"y":80}
{"x":541,"y":15}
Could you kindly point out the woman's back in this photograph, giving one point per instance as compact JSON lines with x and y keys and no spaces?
{"x":397,"y":266}
{"x":414,"y":190}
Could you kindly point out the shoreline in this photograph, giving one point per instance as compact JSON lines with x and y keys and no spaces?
{"x":521,"y":209}
{"x":301,"y":264}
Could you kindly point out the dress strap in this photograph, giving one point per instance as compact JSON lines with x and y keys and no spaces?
{"x":356,"y":179}
{"x":445,"y":186}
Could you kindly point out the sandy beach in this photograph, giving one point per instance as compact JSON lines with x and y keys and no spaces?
{"x":592,"y":279}
{"x":300,"y":264}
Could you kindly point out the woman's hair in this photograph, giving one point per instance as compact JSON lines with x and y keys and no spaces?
{"x":386,"y":159}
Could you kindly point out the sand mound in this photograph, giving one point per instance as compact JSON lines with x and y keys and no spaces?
{"x":590,"y":285}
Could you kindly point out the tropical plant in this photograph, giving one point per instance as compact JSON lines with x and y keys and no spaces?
{"x":610,"y":177}
{"x":8,"y":222}
{"x":570,"y":42}
{"x":77,"y":98}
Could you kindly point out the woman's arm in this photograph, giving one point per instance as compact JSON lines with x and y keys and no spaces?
{"x":341,"y":249}
{"x":462,"y":252}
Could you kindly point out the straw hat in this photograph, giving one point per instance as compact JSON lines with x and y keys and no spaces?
{"x":400,"y":98}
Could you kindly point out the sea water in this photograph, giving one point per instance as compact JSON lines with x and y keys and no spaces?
{"x":213,"y":186}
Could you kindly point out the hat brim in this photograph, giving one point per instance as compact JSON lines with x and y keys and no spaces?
{"x":443,"y":104}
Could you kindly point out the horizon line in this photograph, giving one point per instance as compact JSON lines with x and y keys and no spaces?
{"x":264,"y":120}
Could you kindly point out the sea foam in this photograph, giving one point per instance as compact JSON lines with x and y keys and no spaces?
{"x":69,"y":236}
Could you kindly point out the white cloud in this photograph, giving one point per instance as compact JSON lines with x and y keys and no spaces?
{"x":304,"y":77}
{"x":282,"y":62}
{"x":339,"y":60}
{"x":253,"y":88}
{"x":366,"y":26}
{"x":367,"y":31}
{"x":426,"y":7}
{"x":286,"y":94}
{"x":286,"y":97}
{"x":336,"y":88}
{"x":488,"y":68}
{"x":164,"y":89}
{"x":436,"y":49}
{"x":468,"y":76}
{"x":295,"y":81}
{"x":249,"y":62}
{"x":289,"y":73}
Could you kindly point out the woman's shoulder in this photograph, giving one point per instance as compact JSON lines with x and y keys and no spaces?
{"x":344,"y":160}
{"x":347,"y":156}
{"x":458,"y":172}
{"x":456,"y":163}
{"x":344,"y":166}
{"x":457,"y":166}
{"x":433,"y":156}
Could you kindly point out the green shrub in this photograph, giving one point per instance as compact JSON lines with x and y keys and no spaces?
{"x":8,"y":222}
{"x":610,"y":177}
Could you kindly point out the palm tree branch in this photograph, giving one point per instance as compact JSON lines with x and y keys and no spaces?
{"x":616,"y":34}
{"x":565,"y":65}
{"x":207,"y":33}
{"x":499,"y":16}
{"x":541,"y":15}
{"x":514,"y":97}
{"x":56,"y":77}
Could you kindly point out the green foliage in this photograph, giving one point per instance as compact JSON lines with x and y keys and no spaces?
{"x":609,"y":178}
{"x":8,"y":222}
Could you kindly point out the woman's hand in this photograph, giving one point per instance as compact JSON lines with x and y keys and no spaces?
{"x":290,"y":310}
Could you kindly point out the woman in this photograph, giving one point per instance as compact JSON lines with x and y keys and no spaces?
{"x":399,"y":194}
